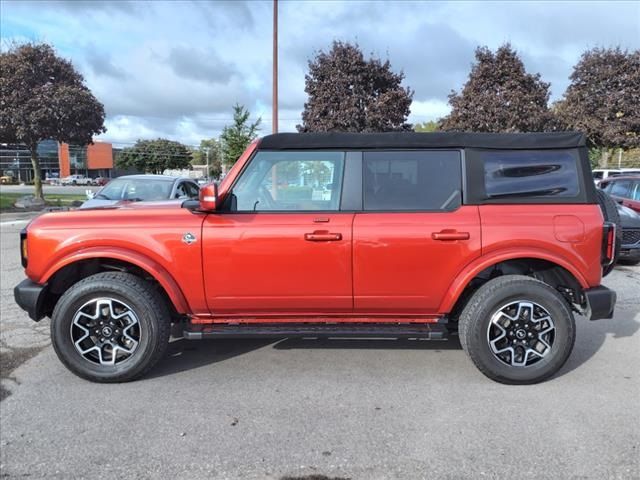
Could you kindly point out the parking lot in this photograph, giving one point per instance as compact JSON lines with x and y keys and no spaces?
{"x":309,"y":408}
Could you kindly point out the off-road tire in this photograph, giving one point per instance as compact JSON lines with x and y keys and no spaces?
{"x":147,"y":304}
{"x":610,"y":214}
{"x":487,"y":300}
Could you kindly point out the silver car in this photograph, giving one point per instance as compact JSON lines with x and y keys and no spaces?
{"x":143,"y":188}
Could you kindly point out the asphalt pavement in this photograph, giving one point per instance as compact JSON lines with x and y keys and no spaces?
{"x":309,"y":409}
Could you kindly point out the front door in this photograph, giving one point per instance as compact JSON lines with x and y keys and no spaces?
{"x":413,"y":236}
{"x":281,"y":245}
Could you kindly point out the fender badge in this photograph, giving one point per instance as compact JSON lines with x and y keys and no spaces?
{"x":189,"y":238}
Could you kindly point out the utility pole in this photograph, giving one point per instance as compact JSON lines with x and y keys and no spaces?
{"x":274,"y":106}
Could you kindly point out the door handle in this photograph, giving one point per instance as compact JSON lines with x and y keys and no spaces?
{"x":321,"y":236}
{"x":448,"y":235}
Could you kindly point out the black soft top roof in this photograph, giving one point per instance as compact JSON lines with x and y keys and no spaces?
{"x":410,"y":140}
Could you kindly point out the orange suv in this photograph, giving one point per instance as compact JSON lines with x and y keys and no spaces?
{"x":498,"y":238}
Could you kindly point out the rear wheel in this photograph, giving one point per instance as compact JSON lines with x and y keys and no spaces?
{"x":517,"y":330}
{"x":110,"y":327}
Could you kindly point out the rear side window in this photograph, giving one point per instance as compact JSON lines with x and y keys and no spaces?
{"x":619,"y":188}
{"x":543,"y":173}
{"x":412,"y":180}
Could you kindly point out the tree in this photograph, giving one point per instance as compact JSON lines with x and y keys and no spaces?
{"x":211,"y":147}
{"x":44,"y":97}
{"x":350,"y":94}
{"x":155,"y":156}
{"x":499,"y":96}
{"x":430,"y":126}
{"x":236,"y":138}
{"x":603,"y":99}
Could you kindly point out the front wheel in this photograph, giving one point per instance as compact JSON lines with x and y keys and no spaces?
{"x":517,"y":330}
{"x":110,"y":327}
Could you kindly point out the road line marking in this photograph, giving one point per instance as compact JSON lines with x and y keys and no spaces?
{"x":14,"y":222}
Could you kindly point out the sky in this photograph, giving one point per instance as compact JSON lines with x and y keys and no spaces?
{"x":174,"y":69}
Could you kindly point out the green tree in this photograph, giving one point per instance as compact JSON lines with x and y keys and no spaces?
{"x":155,"y":156}
{"x":236,"y":138}
{"x":499,"y":96}
{"x":44,"y":97}
{"x":603,"y":99}
{"x":348,"y":93}
{"x":430,"y":126}
{"x":211,"y":147}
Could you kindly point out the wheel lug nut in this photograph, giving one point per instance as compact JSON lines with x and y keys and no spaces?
{"x":102,"y":339}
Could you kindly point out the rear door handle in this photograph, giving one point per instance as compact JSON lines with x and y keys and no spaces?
{"x":449,"y":235}
{"x":322,"y":237}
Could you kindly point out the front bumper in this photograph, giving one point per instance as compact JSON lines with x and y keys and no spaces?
{"x":30,"y":297}
{"x":600,"y":302}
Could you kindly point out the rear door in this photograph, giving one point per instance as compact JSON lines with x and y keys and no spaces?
{"x":283,"y":246}
{"x":413,"y":235}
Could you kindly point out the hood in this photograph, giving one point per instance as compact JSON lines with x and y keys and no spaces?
{"x":628,"y":218}
{"x":101,"y":204}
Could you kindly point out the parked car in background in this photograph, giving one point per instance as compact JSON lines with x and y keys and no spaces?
{"x":143,"y":188}
{"x":100,"y":181}
{"x":630,"y":248}
{"x":76,"y":180}
{"x":7,"y":180}
{"x":600,"y":174}
{"x":624,"y":189}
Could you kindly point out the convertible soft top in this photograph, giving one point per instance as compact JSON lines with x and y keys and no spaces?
{"x":412,"y":140}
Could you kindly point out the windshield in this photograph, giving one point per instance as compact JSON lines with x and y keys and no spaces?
{"x":136,"y":189}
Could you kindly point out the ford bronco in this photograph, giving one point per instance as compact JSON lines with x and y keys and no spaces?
{"x":498,"y":238}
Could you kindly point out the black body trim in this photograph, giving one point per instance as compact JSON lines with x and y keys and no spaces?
{"x":352,"y":183}
{"x":433,"y":331}
{"x":601,"y":302}
{"x":358,"y":141}
{"x":30,"y":297}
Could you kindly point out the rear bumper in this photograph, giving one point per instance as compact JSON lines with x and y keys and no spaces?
{"x":30,"y":297}
{"x":601,"y":302}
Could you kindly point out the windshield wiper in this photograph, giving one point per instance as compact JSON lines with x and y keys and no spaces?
{"x":102,"y":195}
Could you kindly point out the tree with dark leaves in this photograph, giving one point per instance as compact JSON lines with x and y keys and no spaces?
{"x":499,"y":96}
{"x":42,"y":97}
{"x":155,"y":156}
{"x":603,"y":99}
{"x":348,"y":93}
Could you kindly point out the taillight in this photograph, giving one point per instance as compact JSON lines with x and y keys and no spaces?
{"x":608,"y":243}
{"x":23,"y":247}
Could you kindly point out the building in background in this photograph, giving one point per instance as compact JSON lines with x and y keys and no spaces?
{"x":57,"y":160}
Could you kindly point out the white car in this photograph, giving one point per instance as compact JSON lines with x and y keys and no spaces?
{"x":76,"y":180}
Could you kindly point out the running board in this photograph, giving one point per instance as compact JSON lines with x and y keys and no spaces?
{"x":431,"y":331}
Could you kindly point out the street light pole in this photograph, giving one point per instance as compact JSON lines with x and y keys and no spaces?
{"x":274,"y":112}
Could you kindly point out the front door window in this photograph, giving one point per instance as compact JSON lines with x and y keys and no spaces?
{"x":290,"y":181}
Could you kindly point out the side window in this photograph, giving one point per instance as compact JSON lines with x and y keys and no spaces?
{"x":191,"y":190}
{"x":620,"y":188}
{"x":524,"y":173}
{"x":635,"y":191}
{"x":180,"y":191}
{"x":290,"y":181}
{"x":412,"y":180}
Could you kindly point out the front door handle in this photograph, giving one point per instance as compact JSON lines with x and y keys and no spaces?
{"x":449,"y":235}
{"x":322,"y":236}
